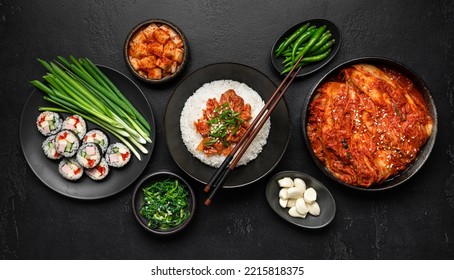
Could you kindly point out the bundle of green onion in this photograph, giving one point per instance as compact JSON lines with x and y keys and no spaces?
{"x":79,"y":87}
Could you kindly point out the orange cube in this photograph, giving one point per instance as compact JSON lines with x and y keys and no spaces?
{"x":179,"y":55}
{"x":161,"y":36}
{"x":164,"y":63}
{"x":155,"y":48}
{"x":148,"y":62}
{"x":169,"y":49}
{"x":155,"y":73}
{"x":148,"y":31}
{"x":137,"y":50}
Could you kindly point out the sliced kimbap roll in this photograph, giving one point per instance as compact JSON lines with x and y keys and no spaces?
{"x":49,"y":148}
{"x":118,"y":155}
{"x":98,"y":137}
{"x":99,"y":172}
{"x":70,"y":169}
{"x":77,"y":124}
{"x":66,"y":143}
{"x":89,"y":155}
{"x":49,"y":123}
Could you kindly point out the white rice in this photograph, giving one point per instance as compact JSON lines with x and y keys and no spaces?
{"x":192,"y":111}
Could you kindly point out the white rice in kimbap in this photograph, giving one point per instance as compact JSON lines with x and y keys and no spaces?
{"x":66,"y":143}
{"x":77,"y":124}
{"x":89,"y":155}
{"x":48,"y":123}
{"x":49,"y":148}
{"x":98,"y":137}
{"x":70,"y":169}
{"x":118,"y":155}
{"x":99,"y":172}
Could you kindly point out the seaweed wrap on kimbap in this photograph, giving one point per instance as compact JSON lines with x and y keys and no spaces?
{"x":49,"y":148}
{"x":97,"y":136}
{"x":49,"y":123}
{"x":70,"y":169}
{"x":67,"y":143}
{"x":98,"y":172}
{"x":89,"y":155}
{"x":118,"y":155}
{"x":76,"y":124}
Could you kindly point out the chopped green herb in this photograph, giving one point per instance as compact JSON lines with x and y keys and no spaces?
{"x":224,"y":122}
{"x":165,"y":204}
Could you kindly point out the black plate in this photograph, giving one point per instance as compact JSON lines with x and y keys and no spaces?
{"x":85,"y":188}
{"x":425,"y":150}
{"x":277,"y":140}
{"x":306,"y":70}
{"x":324,"y":199}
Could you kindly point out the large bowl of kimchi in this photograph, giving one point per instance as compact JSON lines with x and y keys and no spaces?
{"x":370,"y":123}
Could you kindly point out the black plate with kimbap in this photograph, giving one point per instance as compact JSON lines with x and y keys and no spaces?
{"x":101,"y":182}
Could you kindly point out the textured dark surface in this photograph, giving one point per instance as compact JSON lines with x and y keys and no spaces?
{"x":414,"y":221}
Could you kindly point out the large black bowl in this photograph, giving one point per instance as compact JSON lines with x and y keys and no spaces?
{"x":418,"y":83}
{"x":277,"y":140}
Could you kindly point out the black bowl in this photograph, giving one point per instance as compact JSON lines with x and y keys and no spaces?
{"x":138,"y":28}
{"x":137,"y":201}
{"x":311,"y":68}
{"x":425,"y":151}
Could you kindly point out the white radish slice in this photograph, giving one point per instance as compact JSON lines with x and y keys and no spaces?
{"x":294,"y":193}
{"x":314,"y":208}
{"x":310,"y":195}
{"x":283,"y":202}
{"x":294,"y":213}
{"x":299,"y":184}
{"x":283,"y":193}
{"x":301,"y":206}
{"x":285,"y":182}
{"x":291,"y":203}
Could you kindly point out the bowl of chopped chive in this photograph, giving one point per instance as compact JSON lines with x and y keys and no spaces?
{"x":163,"y":203}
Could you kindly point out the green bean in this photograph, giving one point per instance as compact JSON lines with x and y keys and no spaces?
{"x":323,"y":39}
{"x":323,"y":48}
{"x":307,"y":60}
{"x":303,"y":38}
{"x":292,"y":38}
{"x":315,"y":37}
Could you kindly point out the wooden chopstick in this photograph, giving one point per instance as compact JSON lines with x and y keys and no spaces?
{"x":224,"y":170}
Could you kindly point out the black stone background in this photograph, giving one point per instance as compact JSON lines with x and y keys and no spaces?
{"x":414,"y":221}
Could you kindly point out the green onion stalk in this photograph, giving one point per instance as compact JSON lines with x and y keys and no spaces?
{"x":78,"y":86}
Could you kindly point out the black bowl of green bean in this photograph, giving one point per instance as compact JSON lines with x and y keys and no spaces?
{"x":163,"y":203}
{"x":316,"y":41}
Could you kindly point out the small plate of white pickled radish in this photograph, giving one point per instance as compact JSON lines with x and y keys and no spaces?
{"x":300,"y":199}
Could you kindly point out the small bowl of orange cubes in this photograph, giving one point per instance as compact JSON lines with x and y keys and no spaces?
{"x":156,"y":51}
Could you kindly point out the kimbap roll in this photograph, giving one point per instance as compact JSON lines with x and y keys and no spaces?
{"x":70,"y":169}
{"x":118,"y":155}
{"x":98,"y":137}
{"x":49,"y":123}
{"x":99,"y":172}
{"x":49,"y":148}
{"x":76,"y":124}
{"x":66,"y":143}
{"x":89,"y":155}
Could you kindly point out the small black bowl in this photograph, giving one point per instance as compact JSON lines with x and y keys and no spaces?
{"x":309,"y":69}
{"x":137,"y":201}
{"x":425,"y":151}
{"x":143,"y":25}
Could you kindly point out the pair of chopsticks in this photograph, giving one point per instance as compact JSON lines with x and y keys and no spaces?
{"x":220,"y":176}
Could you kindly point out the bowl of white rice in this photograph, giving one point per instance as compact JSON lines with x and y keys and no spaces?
{"x":186,"y":106}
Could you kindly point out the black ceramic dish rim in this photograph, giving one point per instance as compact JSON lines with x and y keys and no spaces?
{"x":137,"y":28}
{"x":425,"y":151}
{"x":169,"y":174}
